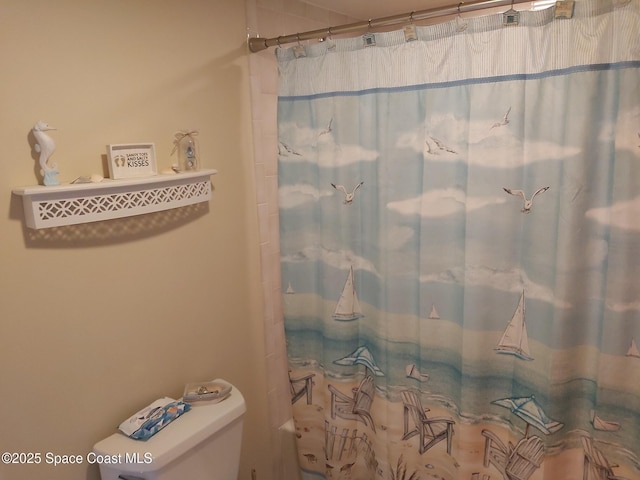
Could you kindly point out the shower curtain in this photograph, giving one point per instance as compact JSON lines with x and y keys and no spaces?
{"x":460,"y":243}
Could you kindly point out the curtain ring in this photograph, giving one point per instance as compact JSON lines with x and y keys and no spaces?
{"x":278,"y":41}
{"x":369,"y":28}
{"x":411,"y":17}
{"x":298,"y":38}
{"x":327,"y":35}
{"x":459,"y":5}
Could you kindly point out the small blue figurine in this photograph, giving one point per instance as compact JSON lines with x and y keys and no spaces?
{"x":46,"y":146}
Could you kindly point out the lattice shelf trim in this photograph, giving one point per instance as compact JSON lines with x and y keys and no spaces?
{"x":72,"y":204}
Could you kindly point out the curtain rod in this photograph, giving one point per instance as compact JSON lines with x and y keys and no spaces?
{"x":257,"y":44}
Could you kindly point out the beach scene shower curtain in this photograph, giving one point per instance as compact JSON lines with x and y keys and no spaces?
{"x":460,"y":248}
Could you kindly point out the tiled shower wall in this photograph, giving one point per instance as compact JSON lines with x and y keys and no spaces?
{"x":271,"y":18}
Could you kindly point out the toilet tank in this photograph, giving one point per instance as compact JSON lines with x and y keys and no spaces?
{"x":203,"y":443}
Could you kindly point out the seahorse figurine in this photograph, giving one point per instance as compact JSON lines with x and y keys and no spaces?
{"x":45,"y":146}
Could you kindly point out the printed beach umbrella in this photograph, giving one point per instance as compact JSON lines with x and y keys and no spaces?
{"x":531,"y":412}
{"x":361,"y":356}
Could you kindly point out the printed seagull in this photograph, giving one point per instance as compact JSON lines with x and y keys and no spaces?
{"x":348,"y":197}
{"x":439,"y":146}
{"x":284,"y":149}
{"x":504,"y":121}
{"x":328,"y":129}
{"x":527,"y":203}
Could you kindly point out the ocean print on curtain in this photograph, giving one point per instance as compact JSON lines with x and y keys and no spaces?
{"x":459,"y":227}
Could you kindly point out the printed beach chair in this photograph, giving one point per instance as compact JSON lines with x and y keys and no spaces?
{"x":301,"y":386}
{"x":514,"y":462}
{"x":596,"y":465}
{"x":357,"y":407}
{"x":430,"y":429}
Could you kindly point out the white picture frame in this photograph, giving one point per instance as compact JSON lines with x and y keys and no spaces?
{"x":131,"y":160}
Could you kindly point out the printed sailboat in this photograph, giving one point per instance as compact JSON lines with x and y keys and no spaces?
{"x":434,"y":315}
{"x":348,"y":307}
{"x":412,"y":372}
{"x":604,"y":425}
{"x":633,"y":349}
{"x":514,"y":340}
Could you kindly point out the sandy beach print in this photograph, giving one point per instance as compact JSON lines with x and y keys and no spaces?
{"x":339,"y":448}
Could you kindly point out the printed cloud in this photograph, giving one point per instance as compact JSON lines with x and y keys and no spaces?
{"x":442,"y":203}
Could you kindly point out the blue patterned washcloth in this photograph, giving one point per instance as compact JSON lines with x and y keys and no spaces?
{"x":150,"y":420}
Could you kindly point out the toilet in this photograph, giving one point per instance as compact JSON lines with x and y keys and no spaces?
{"x":203,"y":443}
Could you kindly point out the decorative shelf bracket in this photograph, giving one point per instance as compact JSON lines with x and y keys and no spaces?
{"x":70,"y":204}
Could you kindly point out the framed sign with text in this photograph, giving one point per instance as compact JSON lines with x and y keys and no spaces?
{"x":132,"y":160}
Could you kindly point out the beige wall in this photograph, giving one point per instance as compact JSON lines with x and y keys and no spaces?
{"x":98,"y":320}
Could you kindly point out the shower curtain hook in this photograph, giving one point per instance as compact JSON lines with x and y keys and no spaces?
{"x":299,"y":50}
{"x":461,"y":23}
{"x":327,"y":35}
{"x":278,"y":40}
{"x":511,"y":16}
{"x":410,"y":33}
{"x":369,"y":38}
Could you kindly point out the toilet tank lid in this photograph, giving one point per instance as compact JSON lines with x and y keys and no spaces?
{"x":203,"y":420}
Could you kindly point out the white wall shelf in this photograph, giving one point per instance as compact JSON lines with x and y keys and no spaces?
{"x":70,"y":204}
